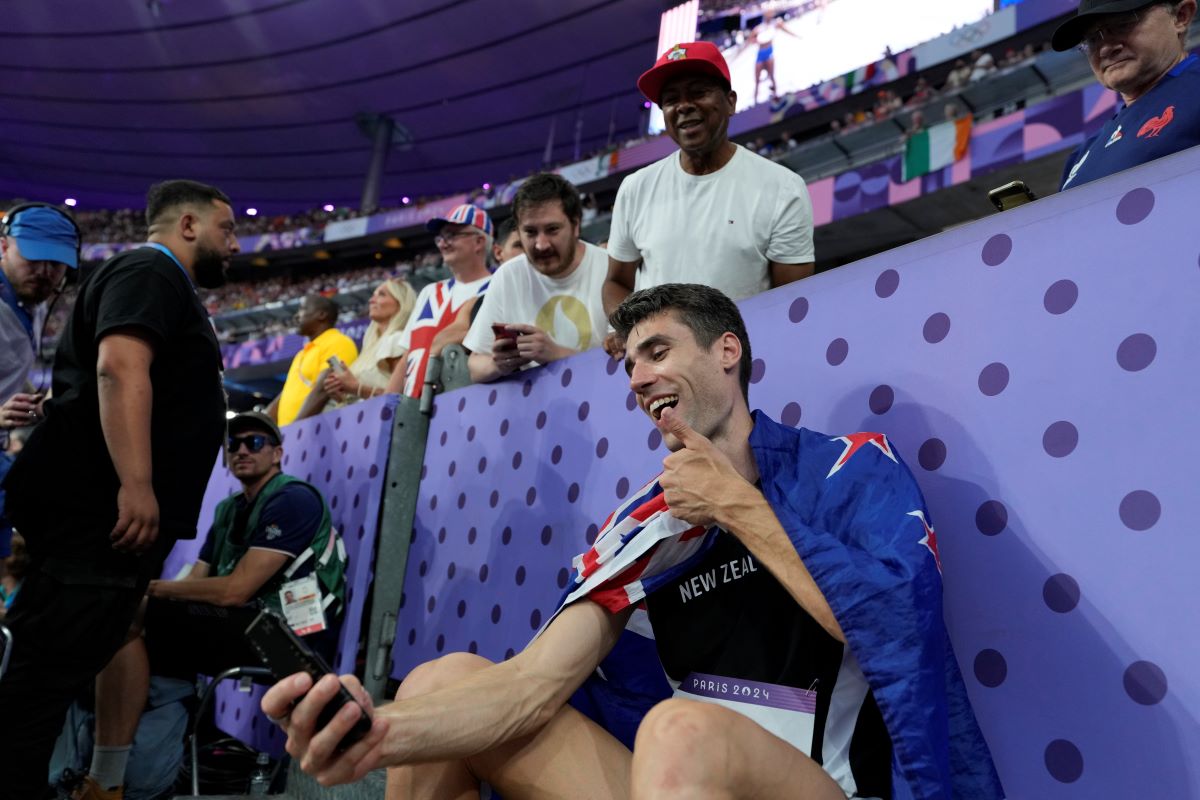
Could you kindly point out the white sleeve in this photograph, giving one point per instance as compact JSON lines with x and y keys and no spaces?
{"x":480,"y":337}
{"x":620,"y":239}
{"x":791,"y":240}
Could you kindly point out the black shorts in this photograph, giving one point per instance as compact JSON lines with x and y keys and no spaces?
{"x":184,"y":639}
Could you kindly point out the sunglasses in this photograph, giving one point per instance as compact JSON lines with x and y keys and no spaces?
{"x":254,"y":443}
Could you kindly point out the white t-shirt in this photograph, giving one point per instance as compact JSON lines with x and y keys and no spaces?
{"x":570,"y":309}
{"x":719,"y":230}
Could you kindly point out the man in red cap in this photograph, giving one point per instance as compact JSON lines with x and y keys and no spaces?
{"x":713,"y":213}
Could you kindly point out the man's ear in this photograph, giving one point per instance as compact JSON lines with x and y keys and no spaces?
{"x":277,"y":459}
{"x":731,"y":351}
{"x":187,"y":226}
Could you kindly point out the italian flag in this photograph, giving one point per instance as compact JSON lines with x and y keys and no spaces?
{"x":933,"y":148}
{"x":857,"y":80}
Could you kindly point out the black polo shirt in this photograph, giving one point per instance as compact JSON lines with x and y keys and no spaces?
{"x":63,"y":486}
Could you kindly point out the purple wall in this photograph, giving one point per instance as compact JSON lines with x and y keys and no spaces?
{"x":343,"y":453}
{"x":1038,"y":371}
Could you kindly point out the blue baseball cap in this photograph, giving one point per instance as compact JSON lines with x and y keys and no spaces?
{"x":46,"y":234}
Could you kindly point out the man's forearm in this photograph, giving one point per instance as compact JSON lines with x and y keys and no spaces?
{"x":750,"y":518}
{"x":218,"y":591}
{"x":482,"y":368}
{"x":613,"y":293}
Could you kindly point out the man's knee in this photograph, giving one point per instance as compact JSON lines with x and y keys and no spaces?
{"x":440,"y":673}
{"x":678,"y":728}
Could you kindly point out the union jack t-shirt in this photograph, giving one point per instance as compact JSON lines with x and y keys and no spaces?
{"x":437,"y":306}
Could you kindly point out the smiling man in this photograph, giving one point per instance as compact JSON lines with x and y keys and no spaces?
{"x":133,"y":429}
{"x":793,"y":586}
{"x":714,"y":212}
{"x":1137,"y":49}
{"x":544,"y":304}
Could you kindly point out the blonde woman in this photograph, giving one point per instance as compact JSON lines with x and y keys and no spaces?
{"x":389,"y":308}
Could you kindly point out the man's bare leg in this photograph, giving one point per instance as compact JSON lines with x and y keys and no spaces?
{"x":121,"y":690}
{"x":571,"y":757}
{"x":700,"y":751}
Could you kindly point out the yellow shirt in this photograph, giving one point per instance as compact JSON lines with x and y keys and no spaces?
{"x":307,"y":365}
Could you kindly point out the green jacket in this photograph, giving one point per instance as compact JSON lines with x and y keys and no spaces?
{"x":326,"y":548}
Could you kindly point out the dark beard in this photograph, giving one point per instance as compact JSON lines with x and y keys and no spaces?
{"x":210,"y":269}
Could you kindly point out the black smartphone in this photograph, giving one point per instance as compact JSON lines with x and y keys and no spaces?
{"x":285,"y":654}
{"x":1011,"y":195}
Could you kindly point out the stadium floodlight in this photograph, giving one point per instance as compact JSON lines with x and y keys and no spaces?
{"x":405,"y":200}
{"x":70,"y":201}
{"x":487,"y":187}
{"x":328,"y":207}
{"x":251,"y":212}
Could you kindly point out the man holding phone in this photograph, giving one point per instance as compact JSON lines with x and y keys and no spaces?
{"x":316,"y":319}
{"x":547,"y":303}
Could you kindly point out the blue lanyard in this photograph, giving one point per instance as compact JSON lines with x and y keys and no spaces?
{"x":9,"y":295}
{"x":162,"y":248}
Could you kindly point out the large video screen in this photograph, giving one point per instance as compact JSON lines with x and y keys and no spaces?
{"x":782,"y":46}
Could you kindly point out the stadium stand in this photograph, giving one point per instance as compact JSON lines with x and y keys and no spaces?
{"x":980,"y":346}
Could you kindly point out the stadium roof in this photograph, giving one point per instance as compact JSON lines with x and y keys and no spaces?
{"x":270,"y":99}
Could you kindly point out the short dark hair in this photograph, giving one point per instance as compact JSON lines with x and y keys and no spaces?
{"x":544,"y":187}
{"x":167,"y":195}
{"x":705,"y":310}
{"x":504,"y":230}
{"x":325,"y":305}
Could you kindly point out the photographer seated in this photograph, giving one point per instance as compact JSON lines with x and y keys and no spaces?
{"x":271,"y":545}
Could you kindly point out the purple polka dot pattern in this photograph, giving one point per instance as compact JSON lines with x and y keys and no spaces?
{"x":1140,"y":510}
{"x":1060,"y":439}
{"x":622,"y":488}
{"x":991,"y":518}
{"x":997,"y":249}
{"x":887,"y":283}
{"x":993,"y":379}
{"x":881,"y":399}
{"x":1135,"y":206}
{"x":936,"y":328}
{"x":1136,"y":352}
{"x":654,"y":440}
{"x":791,"y":414}
{"x":1145,"y":683}
{"x":1064,"y":762}
{"x":758,"y":370}
{"x":798,"y":310}
{"x":990,"y":668}
{"x":1060,"y":297}
{"x":932,"y":454}
{"x":837,"y":351}
{"x":1061,"y":593}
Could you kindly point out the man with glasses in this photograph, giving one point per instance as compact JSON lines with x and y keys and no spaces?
{"x":443,"y":311}
{"x":265,"y":544}
{"x":116,"y":471}
{"x":1137,"y":49}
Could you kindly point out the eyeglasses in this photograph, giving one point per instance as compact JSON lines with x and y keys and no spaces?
{"x":447,"y":238}
{"x":1114,"y":28}
{"x":254,"y":442}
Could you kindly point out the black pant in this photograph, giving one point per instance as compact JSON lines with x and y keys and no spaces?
{"x":63,"y":635}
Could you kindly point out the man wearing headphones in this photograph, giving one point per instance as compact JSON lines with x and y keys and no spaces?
{"x":38,"y":244}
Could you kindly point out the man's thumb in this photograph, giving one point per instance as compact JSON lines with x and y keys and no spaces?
{"x":675,"y":424}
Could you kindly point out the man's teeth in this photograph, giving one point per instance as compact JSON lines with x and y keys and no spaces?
{"x":658,"y":405}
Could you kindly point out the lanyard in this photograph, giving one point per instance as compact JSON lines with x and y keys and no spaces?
{"x":162,"y":248}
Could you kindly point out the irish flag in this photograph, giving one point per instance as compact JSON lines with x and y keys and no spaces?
{"x":933,"y":148}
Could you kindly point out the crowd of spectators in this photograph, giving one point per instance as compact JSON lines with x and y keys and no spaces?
{"x":129,"y":225}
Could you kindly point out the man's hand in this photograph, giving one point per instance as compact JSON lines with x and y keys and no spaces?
{"x":21,"y":410}
{"x":699,"y":480}
{"x":315,"y":750}
{"x":137,"y":519}
{"x":340,"y":384}
{"x":614,"y":345}
{"x":534,"y":344}
{"x":505,"y":355}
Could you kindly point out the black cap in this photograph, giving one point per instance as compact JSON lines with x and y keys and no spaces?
{"x":1070,"y":33}
{"x":254,"y":421}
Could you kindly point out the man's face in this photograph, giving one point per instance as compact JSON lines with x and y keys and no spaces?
{"x":509,"y":248}
{"x":460,"y":245}
{"x":309,"y":318}
{"x":248,"y":466}
{"x":33,"y":281}
{"x":1131,"y":50}
{"x":216,"y":243}
{"x":549,"y":238}
{"x":696,"y":110}
{"x":667,"y":367}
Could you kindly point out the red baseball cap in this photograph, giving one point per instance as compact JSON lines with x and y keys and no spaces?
{"x":701,"y":57}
